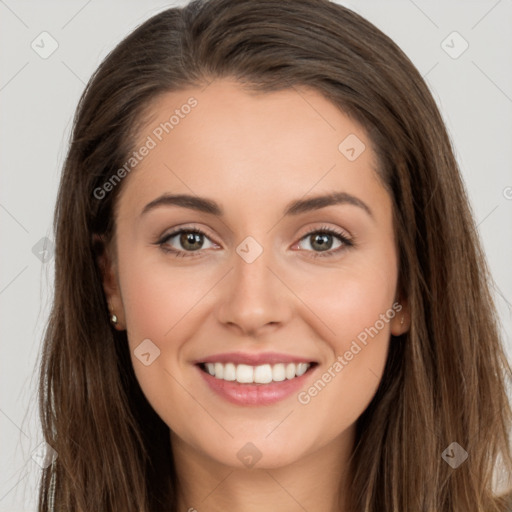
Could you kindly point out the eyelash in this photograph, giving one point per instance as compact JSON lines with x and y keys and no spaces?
{"x":346,"y":242}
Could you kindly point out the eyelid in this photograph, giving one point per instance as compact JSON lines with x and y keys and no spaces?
{"x":186,"y":227}
{"x":328,"y":229}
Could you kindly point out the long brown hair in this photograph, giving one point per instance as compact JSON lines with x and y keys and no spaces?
{"x":445,"y":380}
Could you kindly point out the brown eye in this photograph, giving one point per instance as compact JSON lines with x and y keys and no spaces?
{"x":321,"y":241}
{"x":191,"y":240}
{"x":325,"y":242}
{"x":185,"y":241}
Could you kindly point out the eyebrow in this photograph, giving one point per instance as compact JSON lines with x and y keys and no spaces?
{"x":296,"y":207}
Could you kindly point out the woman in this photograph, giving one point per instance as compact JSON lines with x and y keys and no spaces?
{"x":269,"y":289}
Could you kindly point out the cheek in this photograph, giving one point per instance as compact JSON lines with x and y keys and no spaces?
{"x":358,"y":312}
{"x":351,"y":299}
{"x":156,"y":298}
{"x":355,"y":306}
{"x":161,"y":304}
{"x":358,"y":315}
{"x":157,"y":304}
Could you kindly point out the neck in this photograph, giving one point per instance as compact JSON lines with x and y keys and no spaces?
{"x":316,"y":481}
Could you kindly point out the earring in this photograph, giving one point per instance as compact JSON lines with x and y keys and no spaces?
{"x":402,"y":321}
{"x":113,"y":316}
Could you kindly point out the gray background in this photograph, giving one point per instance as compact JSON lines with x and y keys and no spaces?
{"x":38,"y":97}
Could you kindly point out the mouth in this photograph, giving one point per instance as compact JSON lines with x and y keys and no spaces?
{"x":261,"y":374}
{"x":255,"y":379}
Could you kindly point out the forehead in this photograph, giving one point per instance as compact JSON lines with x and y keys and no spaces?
{"x":249,"y":149}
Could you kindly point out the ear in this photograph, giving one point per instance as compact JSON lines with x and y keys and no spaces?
{"x":106,"y":261}
{"x":401,"y":322}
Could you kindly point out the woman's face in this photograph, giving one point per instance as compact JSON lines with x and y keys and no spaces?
{"x":283,"y":279}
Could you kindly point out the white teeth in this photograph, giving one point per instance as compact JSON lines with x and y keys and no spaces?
{"x":262,"y":374}
{"x":219,"y":370}
{"x":229,"y":371}
{"x":301,"y":369}
{"x":244,"y":373}
{"x":278,"y":373}
{"x":290,"y":371}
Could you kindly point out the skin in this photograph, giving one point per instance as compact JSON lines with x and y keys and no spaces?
{"x":253,"y":154}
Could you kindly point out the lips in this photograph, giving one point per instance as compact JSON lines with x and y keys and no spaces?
{"x":255,"y":379}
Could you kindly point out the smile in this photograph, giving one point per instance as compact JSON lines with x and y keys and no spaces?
{"x":255,"y":379}
{"x":261,"y":374}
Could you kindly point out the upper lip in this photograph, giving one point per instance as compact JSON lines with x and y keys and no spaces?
{"x":254,"y":359}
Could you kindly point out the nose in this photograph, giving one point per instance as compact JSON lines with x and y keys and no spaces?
{"x":254,"y":299}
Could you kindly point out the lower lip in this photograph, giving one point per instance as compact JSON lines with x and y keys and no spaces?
{"x":255,"y":394}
